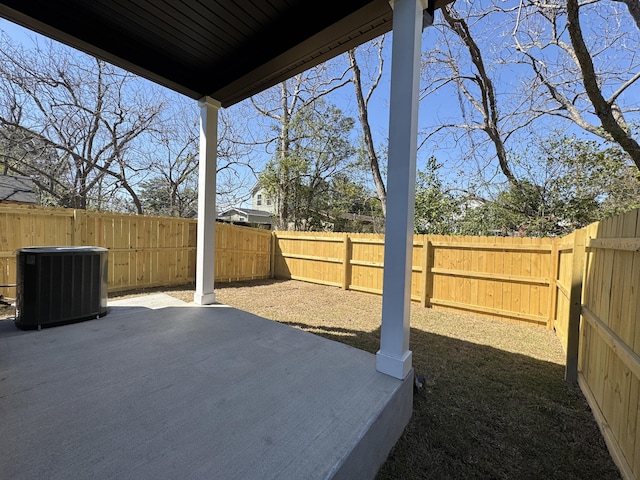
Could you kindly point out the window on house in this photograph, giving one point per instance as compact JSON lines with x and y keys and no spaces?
{"x":268,"y":201}
{"x":259,"y":199}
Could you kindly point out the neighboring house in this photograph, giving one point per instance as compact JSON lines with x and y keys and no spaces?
{"x":260,"y":200}
{"x":351,"y":222}
{"x":247,"y":217}
{"x":19,"y":190}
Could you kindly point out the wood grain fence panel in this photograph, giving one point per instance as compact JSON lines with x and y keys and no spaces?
{"x":136,"y":271}
{"x":632,"y":440}
{"x":449,"y":263}
{"x":366,"y":262}
{"x":563,"y":288}
{"x":468,"y":266}
{"x":513,"y":268}
{"x":630,"y":281}
{"x":536,"y":296}
{"x":376,"y":249}
{"x":609,"y":361}
{"x":452,"y":265}
{"x":517,"y":288}
{"x":416,"y":268}
{"x":474,"y":266}
{"x":8,"y":245}
{"x":501,"y":260}
{"x":163,"y":266}
{"x":507,"y":286}
{"x":609,"y":402}
{"x":619,"y":377}
{"x":310,"y":256}
{"x":174,"y":243}
{"x":169,"y":246}
{"x":120,"y":253}
{"x":601,"y":310}
{"x":144,"y":251}
{"x":437,"y":289}
{"x":482,"y":267}
{"x":485,"y":275}
{"x":591,"y":291}
{"x":525,"y":269}
{"x":489,"y":301}
{"x":455,"y":281}
{"x":628,"y":289}
{"x":242,"y":253}
{"x":192,"y":249}
{"x":183,"y":252}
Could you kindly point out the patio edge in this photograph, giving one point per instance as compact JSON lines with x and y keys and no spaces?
{"x":379,"y":436}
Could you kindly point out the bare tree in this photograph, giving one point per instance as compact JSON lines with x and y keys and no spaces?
{"x":592,"y":84}
{"x":462,"y":64}
{"x":363,"y":115}
{"x":634,"y":9}
{"x":485,"y":102}
{"x":83,"y":118}
{"x":172,"y":186}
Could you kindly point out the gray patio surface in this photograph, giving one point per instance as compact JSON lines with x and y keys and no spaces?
{"x":162,"y":389}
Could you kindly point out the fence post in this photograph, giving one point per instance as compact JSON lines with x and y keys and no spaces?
{"x":346,"y":262}
{"x":553,"y":284}
{"x":575,"y":306}
{"x":426,"y":251}
{"x":272,"y":257}
{"x":78,"y":220}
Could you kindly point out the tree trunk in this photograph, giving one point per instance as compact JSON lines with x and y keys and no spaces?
{"x":363,"y":115}
{"x":489,"y":102}
{"x":605,"y":111}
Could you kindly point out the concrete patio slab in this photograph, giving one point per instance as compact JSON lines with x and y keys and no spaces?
{"x":161,"y":389}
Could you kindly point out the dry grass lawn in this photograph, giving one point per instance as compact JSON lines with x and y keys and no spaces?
{"x":495,"y":404}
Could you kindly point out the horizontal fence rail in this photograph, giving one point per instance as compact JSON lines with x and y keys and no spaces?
{"x":506,"y":278}
{"x":144,"y":251}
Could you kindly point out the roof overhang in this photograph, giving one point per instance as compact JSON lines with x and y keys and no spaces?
{"x":224,"y":49}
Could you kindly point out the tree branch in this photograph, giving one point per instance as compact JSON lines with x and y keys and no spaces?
{"x":603,"y":109}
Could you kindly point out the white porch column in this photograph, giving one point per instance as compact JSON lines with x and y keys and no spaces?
{"x":394,"y":356}
{"x":206,"y":201}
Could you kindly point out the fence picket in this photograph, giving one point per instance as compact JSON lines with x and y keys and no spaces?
{"x":144,"y":251}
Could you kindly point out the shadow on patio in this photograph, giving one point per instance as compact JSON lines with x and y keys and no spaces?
{"x":191,"y":392}
{"x":487,"y":413}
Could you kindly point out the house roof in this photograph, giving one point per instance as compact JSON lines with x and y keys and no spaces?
{"x":17,"y":189}
{"x":247,"y":212}
{"x":224,"y":49}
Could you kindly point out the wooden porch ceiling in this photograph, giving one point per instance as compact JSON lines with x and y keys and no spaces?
{"x":226,"y":49}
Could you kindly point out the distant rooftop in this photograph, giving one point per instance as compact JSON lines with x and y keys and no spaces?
{"x":246,"y":211}
{"x":17,"y":189}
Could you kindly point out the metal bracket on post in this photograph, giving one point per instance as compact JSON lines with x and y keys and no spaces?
{"x":428,"y":9}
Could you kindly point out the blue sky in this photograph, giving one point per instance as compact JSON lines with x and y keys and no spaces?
{"x":436,"y":108}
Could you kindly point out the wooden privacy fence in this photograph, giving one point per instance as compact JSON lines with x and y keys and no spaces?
{"x":506,"y":278}
{"x":609,"y":335}
{"x":585,"y":285}
{"x":144,"y":251}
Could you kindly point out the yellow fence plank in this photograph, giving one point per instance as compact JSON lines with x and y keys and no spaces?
{"x":144,"y":251}
{"x":496,"y":276}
